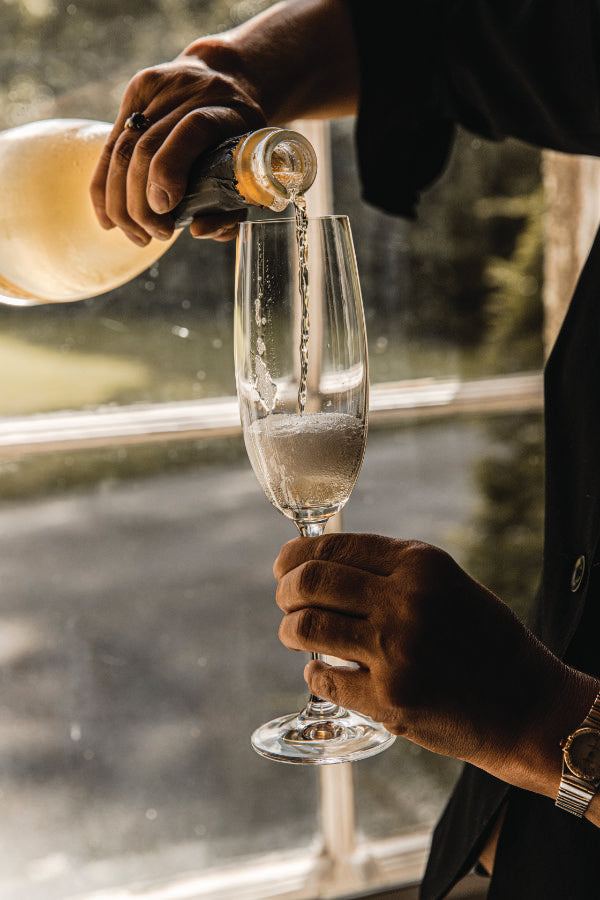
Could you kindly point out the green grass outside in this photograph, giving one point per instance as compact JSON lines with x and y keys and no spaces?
{"x":61,"y":362}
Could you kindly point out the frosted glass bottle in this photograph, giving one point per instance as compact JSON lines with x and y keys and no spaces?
{"x":53,"y":250}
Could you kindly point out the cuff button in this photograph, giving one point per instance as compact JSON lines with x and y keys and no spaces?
{"x":578,"y":573}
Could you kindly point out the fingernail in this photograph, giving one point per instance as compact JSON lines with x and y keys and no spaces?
{"x":137,"y":239}
{"x":158,"y":199}
{"x":210,"y":235}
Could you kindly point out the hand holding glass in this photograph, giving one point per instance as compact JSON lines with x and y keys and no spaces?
{"x":303,"y":406}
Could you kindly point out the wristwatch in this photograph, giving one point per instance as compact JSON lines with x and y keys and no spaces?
{"x":581,"y":764}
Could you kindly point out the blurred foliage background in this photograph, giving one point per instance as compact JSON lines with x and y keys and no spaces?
{"x":456,"y":293}
{"x":130,"y":600}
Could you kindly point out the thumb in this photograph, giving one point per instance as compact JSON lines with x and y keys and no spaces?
{"x":343,"y":685}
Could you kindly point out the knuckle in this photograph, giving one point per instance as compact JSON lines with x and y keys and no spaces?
{"x":215,"y":84}
{"x":279,"y":597}
{"x":217,"y":89}
{"x":426,"y":559}
{"x":310,"y":578}
{"x":123,"y":149}
{"x":308,"y":626}
{"x":198,"y":126}
{"x":146,"y":82}
{"x":285,"y":561}
{"x":284,"y":595}
{"x":191,"y":80}
{"x":374,"y":639}
{"x":425,"y":580}
{"x":335,"y":546}
{"x":283,"y":632}
{"x":392,"y":691}
{"x":146,"y":147}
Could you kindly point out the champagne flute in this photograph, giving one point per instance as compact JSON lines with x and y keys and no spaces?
{"x":302,"y":382}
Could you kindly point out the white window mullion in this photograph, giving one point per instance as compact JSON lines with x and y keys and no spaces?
{"x":336,"y":782}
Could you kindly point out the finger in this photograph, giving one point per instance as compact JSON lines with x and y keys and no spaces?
{"x":333,"y":634}
{"x":329,"y":585}
{"x":219,"y":227}
{"x":147,"y":202}
{"x":116,"y":186}
{"x":99,"y":178}
{"x":132,"y":100}
{"x":126,"y":179}
{"x":197,"y":131}
{"x":136,"y":183}
{"x":344,"y":686}
{"x":370,"y":552}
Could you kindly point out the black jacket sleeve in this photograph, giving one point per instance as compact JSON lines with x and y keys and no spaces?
{"x":521,"y":68}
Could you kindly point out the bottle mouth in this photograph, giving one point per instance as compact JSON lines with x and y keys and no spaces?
{"x":290,"y":163}
{"x":272,"y":166}
{"x":293,"y":167}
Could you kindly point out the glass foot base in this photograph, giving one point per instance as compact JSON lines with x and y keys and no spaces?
{"x":343,"y":737}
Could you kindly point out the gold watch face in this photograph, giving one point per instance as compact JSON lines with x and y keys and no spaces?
{"x":582,"y":754}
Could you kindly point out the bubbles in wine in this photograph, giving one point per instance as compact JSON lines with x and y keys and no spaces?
{"x":302,"y":238}
{"x":264,"y":384}
{"x":292,"y":182}
{"x":307,"y":462}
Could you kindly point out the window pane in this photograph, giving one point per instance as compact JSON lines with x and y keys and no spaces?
{"x":138,"y":632}
{"x":458,"y":291}
{"x":138,"y":650}
{"x":166,"y":336}
{"x":455,"y":294}
{"x":438,"y":481}
{"x":134,"y":662}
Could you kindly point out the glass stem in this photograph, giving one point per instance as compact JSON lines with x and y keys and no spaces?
{"x":316,"y":708}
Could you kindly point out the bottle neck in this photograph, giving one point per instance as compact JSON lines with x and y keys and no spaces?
{"x":265,"y":168}
{"x":272,"y":166}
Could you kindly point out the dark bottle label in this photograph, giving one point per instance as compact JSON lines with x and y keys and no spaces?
{"x":212,"y":186}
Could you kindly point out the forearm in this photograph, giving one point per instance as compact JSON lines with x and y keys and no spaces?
{"x":541,"y":769}
{"x":297,"y":59}
{"x":536,"y":761}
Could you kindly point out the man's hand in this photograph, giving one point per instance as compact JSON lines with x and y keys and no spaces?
{"x":440,"y":659}
{"x":142,"y":176}
{"x":294,"y":60}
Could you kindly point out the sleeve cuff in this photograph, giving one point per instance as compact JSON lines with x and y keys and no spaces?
{"x":403,"y":135}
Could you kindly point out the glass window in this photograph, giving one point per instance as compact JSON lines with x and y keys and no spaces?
{"x":458,"y":292}
{"x":138,"y":632}
{"x":455,"y":296}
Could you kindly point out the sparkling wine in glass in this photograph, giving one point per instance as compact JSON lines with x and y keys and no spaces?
{"x":302,"y":382}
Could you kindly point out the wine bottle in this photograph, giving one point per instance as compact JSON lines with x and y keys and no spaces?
{"x":265,"y":168}
{"x":52,"y":249}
